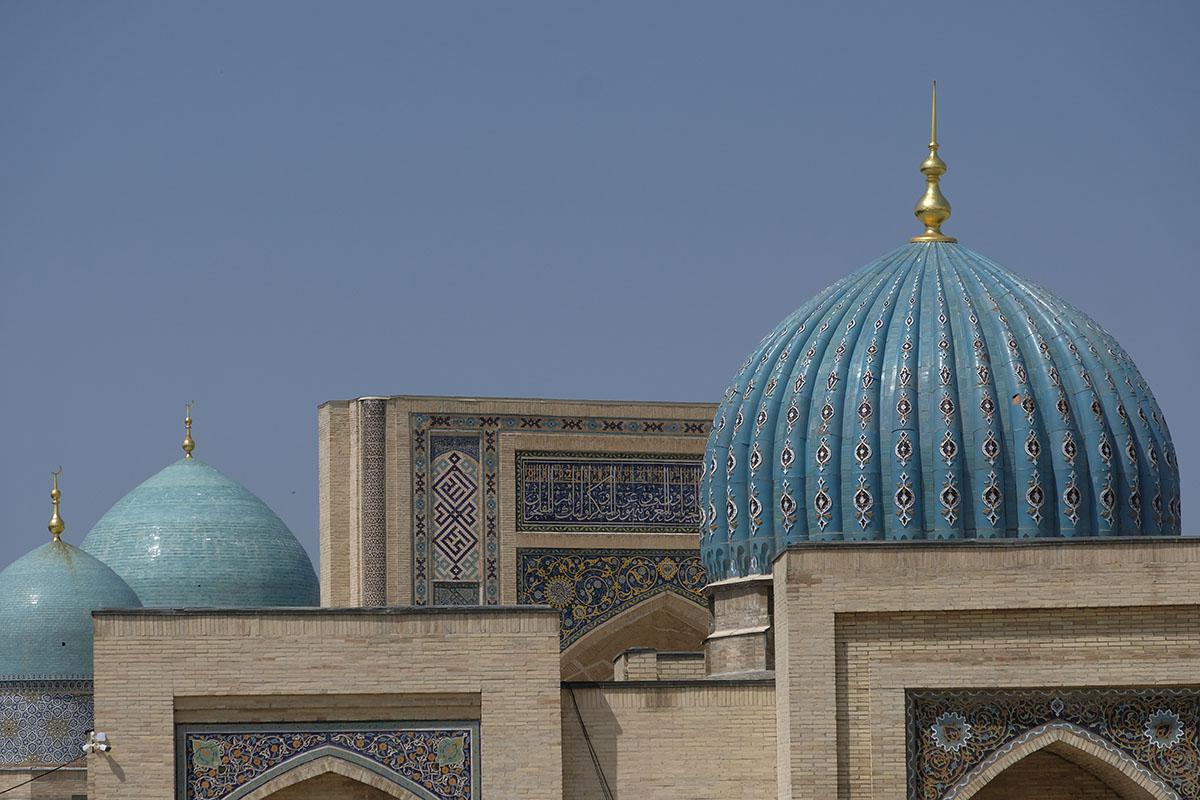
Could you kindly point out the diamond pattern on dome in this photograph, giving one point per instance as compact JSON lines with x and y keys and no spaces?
{"x":979,"y":403}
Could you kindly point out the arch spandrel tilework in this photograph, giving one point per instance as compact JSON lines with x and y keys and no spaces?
{"x":438,"y":760}
{"x":426,"y":428}
{"x":953,"y":734}
{"x":590,"y":587}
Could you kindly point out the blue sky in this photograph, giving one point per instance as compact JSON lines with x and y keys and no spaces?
{"x":261,"y":206}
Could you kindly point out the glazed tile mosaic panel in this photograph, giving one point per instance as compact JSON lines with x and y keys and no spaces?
{"x":456,"y":477}
{"x":434,"y":761}
{"x":591,"y":587}
{"x":43,"y":722}
{"x":564,"y":492}
{"x":952,"y":735}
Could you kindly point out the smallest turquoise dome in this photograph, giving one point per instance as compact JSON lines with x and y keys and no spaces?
{"x":192,"y":537}
{"x":46,"y":602}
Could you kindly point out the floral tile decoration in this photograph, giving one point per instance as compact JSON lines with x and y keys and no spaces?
{"x":954,"y":734}
{"x":439,"y":761}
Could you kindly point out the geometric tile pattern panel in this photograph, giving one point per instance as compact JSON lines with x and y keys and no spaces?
{"x":455,"y":593}
{"x":589,"y":587}
{"x":608,"y":492}
{"x":43,"y":722}
{"x":439,"y":761}
{"x":424,"y":429}
{"x":953,"y":735}
{"x":456,"y":524}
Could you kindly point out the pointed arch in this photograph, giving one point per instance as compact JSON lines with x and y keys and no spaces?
{"x":664,"y":621}
{"x":1088,"y":751}
{"x":330,"y":760}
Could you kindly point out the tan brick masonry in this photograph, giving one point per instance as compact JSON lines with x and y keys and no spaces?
{"x":154,"y":667}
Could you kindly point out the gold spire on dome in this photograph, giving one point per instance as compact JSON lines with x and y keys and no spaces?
{"x":56,"y":526}
{"x":933,"y":208}
{"x":188,"y":443}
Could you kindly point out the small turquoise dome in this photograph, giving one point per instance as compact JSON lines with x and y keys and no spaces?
{"x":47,"y":598}
{"x":933,"y":394}
{"x":191,"y":536}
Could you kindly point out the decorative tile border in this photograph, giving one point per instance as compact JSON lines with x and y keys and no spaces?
{"x":489,"y":428}
{"x":373,"y":499}
{"x":439,"y":760}
{"x":608,"y":492}
{"x":43,"y":722}
{"x":590,"y":587}
{"x":954,"y":734}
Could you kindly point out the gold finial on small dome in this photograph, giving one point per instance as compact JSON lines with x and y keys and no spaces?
{"x":56,"y":526}
{"x":188,"y":443}
{"x":933,"y":208}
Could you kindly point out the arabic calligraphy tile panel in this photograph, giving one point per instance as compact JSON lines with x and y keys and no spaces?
{"x":951,"y":734}
{"x":565,"y":492}
{"x":591,"y":587}
{"x":215,"y":761}
{"x":424,"y":426}
{"x":43,"y":722}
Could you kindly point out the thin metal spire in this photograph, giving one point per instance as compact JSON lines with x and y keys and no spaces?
{"x":188,"y":443}
{"x":56,"y":526}
{"x":933,"y":208}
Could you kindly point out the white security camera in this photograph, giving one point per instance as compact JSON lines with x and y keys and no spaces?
{"x":97,"y":742}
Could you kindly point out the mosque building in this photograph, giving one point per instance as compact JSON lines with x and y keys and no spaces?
{"x":927,"y":546}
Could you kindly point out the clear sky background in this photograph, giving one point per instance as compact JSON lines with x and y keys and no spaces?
{"x":261,"y":206}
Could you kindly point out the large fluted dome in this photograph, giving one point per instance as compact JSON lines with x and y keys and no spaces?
{"x":933,"y":394}
{"x":46,"y":602}
{"x":191,"y":536}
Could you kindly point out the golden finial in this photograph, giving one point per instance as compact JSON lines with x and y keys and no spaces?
{"x":933,"y":208}
{"x":188,"y":444}
{"x":56,"y":526}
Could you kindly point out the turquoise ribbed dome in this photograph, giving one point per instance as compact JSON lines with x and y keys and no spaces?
{"x":933,"y":394}
{"x":190,"y":536}
{"x":47,"y":598}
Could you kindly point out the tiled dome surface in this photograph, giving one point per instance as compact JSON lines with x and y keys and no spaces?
{"x":933,"y":394}
{"x":46,"y":601}
{"x":190,"y":536}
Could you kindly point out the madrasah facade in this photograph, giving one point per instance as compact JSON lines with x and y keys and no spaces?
{"x":927,"y":546}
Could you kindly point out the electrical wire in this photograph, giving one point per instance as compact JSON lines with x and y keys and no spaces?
{"x":44,"y":774}
{"x":604,"y":787}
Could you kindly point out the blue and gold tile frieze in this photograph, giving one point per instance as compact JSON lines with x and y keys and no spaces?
{"x":425,"y":428}
{"x":955,"y":734}
{"x":439,"y":761}
{"x":43,"y":722}
{"x":590,"y":587}
{"x":565,"y":492}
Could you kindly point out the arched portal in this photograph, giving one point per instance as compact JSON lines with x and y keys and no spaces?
{"x":1060,"y":762}
{"x":665,"y":621}
{"x":329,"y":774}
{"x":330,"y":786}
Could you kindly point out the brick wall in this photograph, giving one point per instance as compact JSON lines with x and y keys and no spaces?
{"x":155,"y":668}
{"x":857,"y":625}
{"x":342,"y":569}
{"x":62,"y":785}
{"x":701,"y":740}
